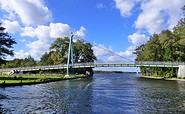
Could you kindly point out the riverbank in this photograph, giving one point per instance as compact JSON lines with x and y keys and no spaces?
{"x":6,"y":81}
{"x":162,"y":78}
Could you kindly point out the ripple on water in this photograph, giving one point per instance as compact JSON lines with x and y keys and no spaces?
{"x":3,"y":96}
{"x":103,"y":93}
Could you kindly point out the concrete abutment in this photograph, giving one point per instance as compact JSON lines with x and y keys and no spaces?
{"x":181,"y":71}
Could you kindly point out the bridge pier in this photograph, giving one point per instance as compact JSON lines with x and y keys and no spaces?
{"x":181,"y":71}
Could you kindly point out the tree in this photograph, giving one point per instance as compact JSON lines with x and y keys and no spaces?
{"x":46,"y":59}
{"x":6,"y":43}
{"x":165,"y":46}
{"x":59,"y":50}
{"x":139,"y":52}
{"x":29,"y":61}
{"x":82,"y":51}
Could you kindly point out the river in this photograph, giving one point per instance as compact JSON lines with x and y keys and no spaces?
{"x":125,"y":93}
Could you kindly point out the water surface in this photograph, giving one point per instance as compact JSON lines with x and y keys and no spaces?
{"x":101,"y":94}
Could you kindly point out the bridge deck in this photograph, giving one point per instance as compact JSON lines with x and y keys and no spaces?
{"x":92,"y":65}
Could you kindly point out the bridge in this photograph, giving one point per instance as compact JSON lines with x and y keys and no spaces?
{"x":93,"y":65}
{"x":179,"y":65}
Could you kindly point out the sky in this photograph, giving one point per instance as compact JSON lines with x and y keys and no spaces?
{"x":111,"y":26}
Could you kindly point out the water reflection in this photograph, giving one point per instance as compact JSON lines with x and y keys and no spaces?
{"x":159,"y":96}
{"x":103,"y":93}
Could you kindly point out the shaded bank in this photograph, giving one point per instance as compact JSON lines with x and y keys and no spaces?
{"x":6,"y":81}
{"x":163,"y":78}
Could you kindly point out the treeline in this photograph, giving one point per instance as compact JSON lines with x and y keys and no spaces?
{"x":57,"y":55}
{"x":166,"y":46}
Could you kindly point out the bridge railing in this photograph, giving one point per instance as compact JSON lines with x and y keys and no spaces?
{"x":46,"y":67}
{"x":159,"y":63}
{"x":91,"y":64}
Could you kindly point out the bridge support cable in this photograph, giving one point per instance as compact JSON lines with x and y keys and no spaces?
{"x":70,"y":54}
{"x":110,"y":51}
{"x":115,"y":53}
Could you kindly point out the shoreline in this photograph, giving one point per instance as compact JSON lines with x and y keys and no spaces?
{"x":162,"y":78}
{"x":39,"y":81}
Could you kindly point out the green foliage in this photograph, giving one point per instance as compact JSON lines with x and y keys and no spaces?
{"x":166,"y":46}
{"x":58,"y":54}
{"x":27,"y":62}
{"x":6,"y":43}
{"x":59,"y":49}
{"x":46,"y":59}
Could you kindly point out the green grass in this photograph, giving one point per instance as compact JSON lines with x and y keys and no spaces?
{"x":10,"y":80}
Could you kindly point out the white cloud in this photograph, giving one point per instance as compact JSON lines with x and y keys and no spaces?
{"x":29,"y":18}
{"x":53,"y":31}
{"x":115,"y":59}
{"x":157,"y":14}
{"x":21,"y":54}
{"x":81,"y":33}
{"x":41,"y":32}
{"x":124,"y":57}
{"x":137,"y":39}
{"x":125,"y":6}
{"x":101,"y":50}
{"x":37,"y":49}
{"x":11,"y":26}
{"x":28,"y":11}
{"x":108,"y":55}
{"x":45,"y":34}
{"x":128,"y":53}
{"x":59,"y":30}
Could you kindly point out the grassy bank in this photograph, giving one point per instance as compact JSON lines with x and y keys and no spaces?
{"x":163,"y":78}
{"x":30,"y":80}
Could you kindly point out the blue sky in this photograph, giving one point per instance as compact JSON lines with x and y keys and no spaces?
{"x":115,"y":25}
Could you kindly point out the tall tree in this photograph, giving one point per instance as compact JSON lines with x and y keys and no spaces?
{"x":6,"y":43}
{"x":166,"y":46}
{"x":82,"y":51}
{"x":59,"y":50}
{"x":46,"y":59}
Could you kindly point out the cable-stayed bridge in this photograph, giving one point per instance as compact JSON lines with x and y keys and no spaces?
{"x":71,"y":65}
{"x":93,"y":65}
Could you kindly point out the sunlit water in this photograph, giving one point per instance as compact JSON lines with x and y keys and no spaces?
{"x":101,"y":94}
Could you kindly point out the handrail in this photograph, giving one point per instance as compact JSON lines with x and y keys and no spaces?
{"x":92,"y":64}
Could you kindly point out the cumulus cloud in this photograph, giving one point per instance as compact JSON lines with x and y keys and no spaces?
{"x":125,"y":6}
{"x":45,"y":34}
{"x":21,"y":54}
{"x":157,"y":14}
{"x":28,"y":11}
{"x":123,"y":56}
{"x":138,"y":39}
{"x":101,"y":50}
{"x":37,"y":48}
{"x":81,"y":33}
{"x":32,"y":18}
{"x":108,"y":55}
{"x":128,"y":53}
{"x":53,"y":31}
{"x":11,"y":26}
{"x":59,"y":30}
{"x":114,"y":59}
{"x":41,"y":32}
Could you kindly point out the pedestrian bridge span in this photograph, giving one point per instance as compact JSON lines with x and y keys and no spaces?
{"x":93,"y":65}
{"x":179,"y":65}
